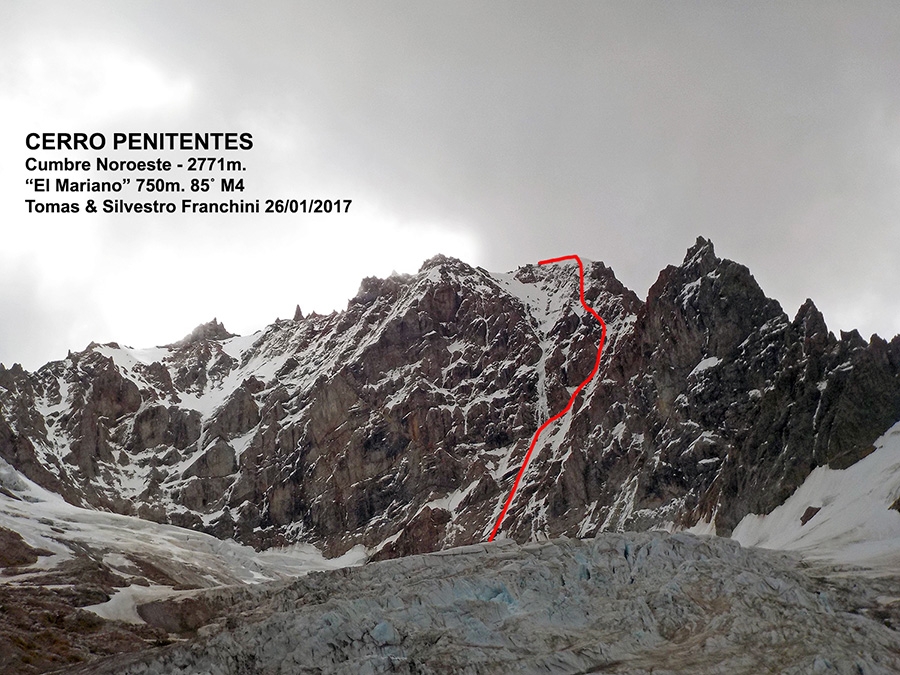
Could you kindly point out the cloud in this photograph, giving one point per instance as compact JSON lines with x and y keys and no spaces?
{"x":41,"y":320}
{"x":92,"y":83}
{"x":502,"y":133}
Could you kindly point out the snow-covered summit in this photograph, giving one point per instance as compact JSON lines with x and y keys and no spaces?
{"x":400,"y":423}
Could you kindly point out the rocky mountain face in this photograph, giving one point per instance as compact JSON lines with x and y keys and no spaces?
{"x":400,"y":423}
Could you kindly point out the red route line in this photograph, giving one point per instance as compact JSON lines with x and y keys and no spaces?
{"x":512,"y":493}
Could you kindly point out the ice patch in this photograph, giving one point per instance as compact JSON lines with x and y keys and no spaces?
{"x":706,"y":527}
{"x":855,"y":523}
{"x":705,"y":364}
{"x":123,"y":605}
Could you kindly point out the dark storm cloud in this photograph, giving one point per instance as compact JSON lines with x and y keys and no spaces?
{"x":620,"y":131}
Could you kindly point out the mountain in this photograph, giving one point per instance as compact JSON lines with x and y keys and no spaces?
{"x":400,"y":423}
{"x":234,"y":503}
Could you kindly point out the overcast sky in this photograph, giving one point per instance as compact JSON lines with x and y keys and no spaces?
{"x":501,"y":133}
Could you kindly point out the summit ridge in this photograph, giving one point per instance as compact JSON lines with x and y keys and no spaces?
{"x":398,"y":424}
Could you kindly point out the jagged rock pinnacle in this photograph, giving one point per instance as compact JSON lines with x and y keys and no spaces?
{"x":212,"y":330}
{"x":702,"y":253}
